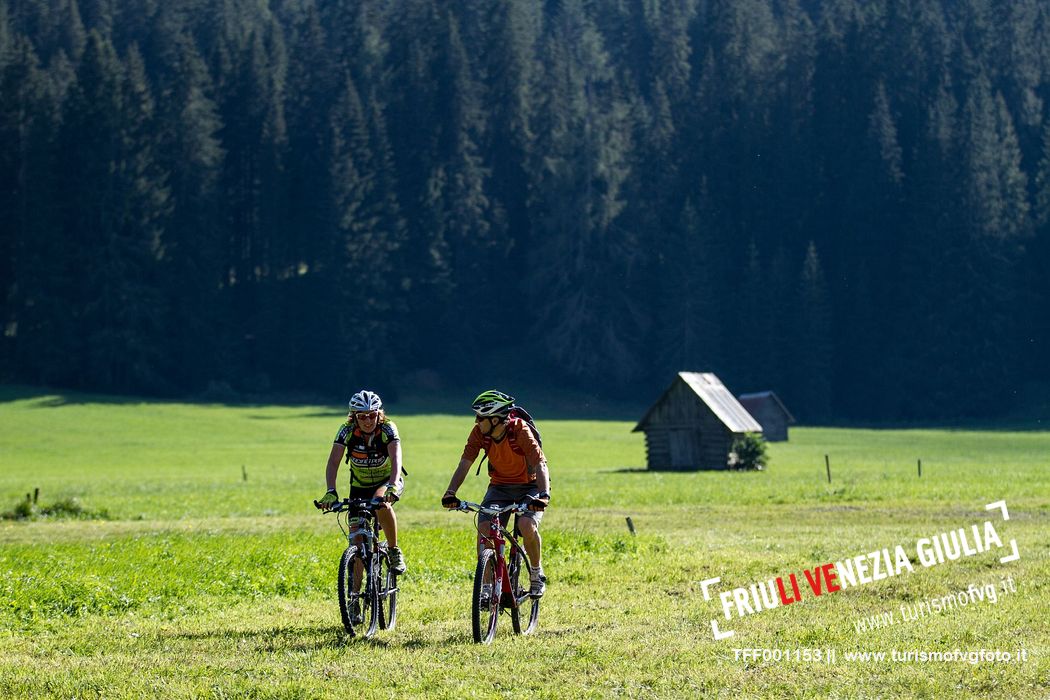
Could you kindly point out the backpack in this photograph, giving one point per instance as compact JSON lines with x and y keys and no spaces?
{"x":518,"y":413}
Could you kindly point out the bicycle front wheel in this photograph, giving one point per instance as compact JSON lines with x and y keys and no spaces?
{"x":522,"y":601}
{"x":387,"y":593}
{"x":485,"y":602}
{"x":347,"y":596}
{"x":370,"y":597}
{"x":358,"y":604}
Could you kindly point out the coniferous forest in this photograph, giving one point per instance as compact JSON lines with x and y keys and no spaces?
{"x":846,"y":201}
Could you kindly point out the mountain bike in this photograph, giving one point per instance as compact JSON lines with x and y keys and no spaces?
{"x":497,"y":582}
{"x":367,"y":587}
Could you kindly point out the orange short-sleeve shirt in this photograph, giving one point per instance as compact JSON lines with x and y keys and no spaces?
{"x":509,"y":459}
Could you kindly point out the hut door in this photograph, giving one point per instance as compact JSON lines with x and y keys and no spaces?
{"x":685,"y":452}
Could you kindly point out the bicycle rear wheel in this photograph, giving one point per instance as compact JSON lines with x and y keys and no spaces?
{"x":531,"y":606}
{"x":387,"y":593}
{"x":485,"y":608}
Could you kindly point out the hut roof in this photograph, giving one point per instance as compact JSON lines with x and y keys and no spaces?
{"x":752,"y":401}
{"x":710,"y":389}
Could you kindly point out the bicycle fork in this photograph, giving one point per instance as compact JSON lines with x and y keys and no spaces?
{"x":361,"y":537}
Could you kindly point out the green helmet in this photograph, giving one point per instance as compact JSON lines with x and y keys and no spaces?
{"x":493,"y":403}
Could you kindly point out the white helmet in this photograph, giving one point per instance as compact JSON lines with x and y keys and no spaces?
{"x":365,"y":400}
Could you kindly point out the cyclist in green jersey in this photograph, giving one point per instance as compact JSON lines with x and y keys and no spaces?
{"x":371,"y":446}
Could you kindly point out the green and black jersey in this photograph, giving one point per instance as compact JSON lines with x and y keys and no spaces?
{"x":366,"y":453}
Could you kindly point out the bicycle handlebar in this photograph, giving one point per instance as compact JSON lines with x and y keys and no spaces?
{"x":369,"y":504}
{"x":467,"y":506}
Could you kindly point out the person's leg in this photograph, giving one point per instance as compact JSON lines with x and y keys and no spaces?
{"x":529,"y":527}
{"x":388,"y":521}
{"x":530,"y":533}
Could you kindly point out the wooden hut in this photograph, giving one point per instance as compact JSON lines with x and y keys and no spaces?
{"x":769,"y":410}
{"x":693,"y":424}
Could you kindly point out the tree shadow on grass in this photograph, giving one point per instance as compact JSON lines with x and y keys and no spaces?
{"x":449,"y":639}
{"x":465,"y":637}
{"x":278,"y":638}
{"x":318,"y":637}
{"x":625,"y":470}
{"x":53,"y":398}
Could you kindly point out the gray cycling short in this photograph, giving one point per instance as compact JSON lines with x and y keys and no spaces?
{"x":509,"y":494}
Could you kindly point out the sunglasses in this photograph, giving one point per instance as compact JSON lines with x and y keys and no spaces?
{"x":371,"y":415}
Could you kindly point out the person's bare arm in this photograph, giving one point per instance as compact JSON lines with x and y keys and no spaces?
{"x":458,"y":476}
{"x":332,"y":470}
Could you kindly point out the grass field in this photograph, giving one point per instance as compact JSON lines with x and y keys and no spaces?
{"x":206,"y":571}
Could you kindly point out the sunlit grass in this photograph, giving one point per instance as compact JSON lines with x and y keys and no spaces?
{"x":212,"y":575}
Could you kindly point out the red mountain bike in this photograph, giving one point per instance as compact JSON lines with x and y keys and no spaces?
{"x":497,"y":583}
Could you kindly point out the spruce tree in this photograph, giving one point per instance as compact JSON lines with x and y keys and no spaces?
{"x":359,"y":277}
{"x":813,"y":342}
{"x":28,"y":115}
{"x":115,"y":202}
{"x":190,"y":262}
{"x":584,"y":273}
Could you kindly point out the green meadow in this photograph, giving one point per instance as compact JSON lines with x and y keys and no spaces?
{"x":198,"y":567}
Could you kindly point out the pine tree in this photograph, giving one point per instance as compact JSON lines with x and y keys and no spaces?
{"x":781,"y":307}
{"x":115,"y":200}
{"x":688,"y":330}
{"x":99,"y":16}
{"x":997,"y":185}
{"x":752,"y":334}
{"x":925,"y":258}
{"x":584,"y":271}
{"x":313,"y":87}
{"x":190,"y":261}
{"x":1037,"y":293}
{"x":254,"y":136}
{"x":360,"y":275}
{"x":509,"y":39}
{"x":996,"y":212}
{"x":27,"y":121}
{"x":465,"y":218}
{"x":813,"y":345}
{"x":59,"y":28}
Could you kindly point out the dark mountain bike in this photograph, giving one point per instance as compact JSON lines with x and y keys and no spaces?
{"x":367,"y":587}
{"x":498,"y":584}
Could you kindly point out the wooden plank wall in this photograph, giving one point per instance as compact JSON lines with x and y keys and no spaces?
{"x":774,"y":424}
{"x":681,"y":410}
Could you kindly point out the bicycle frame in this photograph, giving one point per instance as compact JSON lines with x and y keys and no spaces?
{"x":497,"y":540}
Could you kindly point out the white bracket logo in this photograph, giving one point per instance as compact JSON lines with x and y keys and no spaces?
{"x":1001,"y":505}
{"x":705,"y":584}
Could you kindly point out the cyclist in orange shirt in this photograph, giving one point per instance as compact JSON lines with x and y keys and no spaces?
{"x":517,"y":472}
